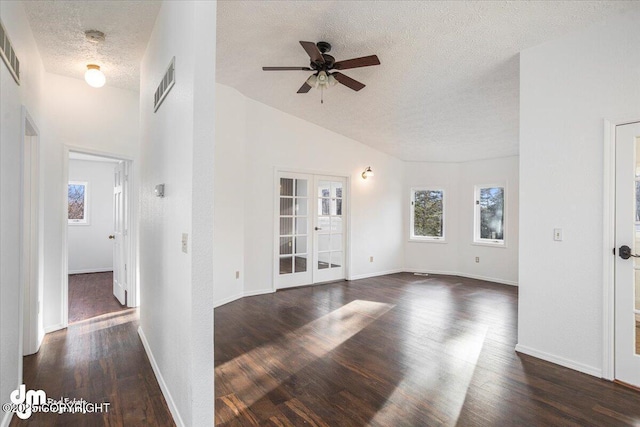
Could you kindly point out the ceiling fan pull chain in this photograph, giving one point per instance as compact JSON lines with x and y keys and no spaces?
{"x":321,"y":94}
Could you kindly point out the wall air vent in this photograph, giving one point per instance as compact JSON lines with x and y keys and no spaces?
{"x":165,"y":85}
{"x":8,"y":54}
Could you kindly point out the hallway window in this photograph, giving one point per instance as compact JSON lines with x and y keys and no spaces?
{"x":427,"y":215}
{"x":78,"y":197}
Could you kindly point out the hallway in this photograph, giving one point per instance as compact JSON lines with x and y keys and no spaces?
{"x":99,"y":360}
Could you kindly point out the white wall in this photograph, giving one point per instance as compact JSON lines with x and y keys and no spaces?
{"x":254,"y":140}
{"x":567,"y":87}
{"x":102,"y":120}
{"x":177,"y":149}
{"x":90,"y":249}
{"x":12,"y":98}
{"x":457,"y":255}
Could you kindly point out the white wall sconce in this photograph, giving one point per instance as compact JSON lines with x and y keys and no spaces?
{"x":367,"y":173}
{"x":93,"y":76}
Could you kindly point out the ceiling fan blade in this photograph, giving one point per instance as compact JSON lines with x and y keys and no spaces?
{"x":313,"y":52}
{"x":348,"y":81}
{"x":304,"y":88}
{"x":365,"y":61}
{"x":286,"y":69}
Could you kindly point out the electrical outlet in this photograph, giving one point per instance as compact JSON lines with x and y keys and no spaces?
{"x":185,"y":242}
{"x":557,"y":234}
{"x":370,"y":259}
{"x":237,"y":274}
{"x":477,"y":259}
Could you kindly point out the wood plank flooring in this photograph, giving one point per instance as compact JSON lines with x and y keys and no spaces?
{"x":91,"y":295}
{"x":398,"y":350}
{"x":98,"y":360}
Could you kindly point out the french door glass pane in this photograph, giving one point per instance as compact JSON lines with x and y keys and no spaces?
{"x":301,"y":187}
{"x":336,"y":242}
{"x":324,"y":242}
{"x":301,"y":244}
{"x":286,"y":265}
{"x":300,"y":263}
{"x":286,"y":187}
{"x":301,"y":206}
{"x":323,"y":222}
{"x":323,"y":260}
{"x":301,"y":225}
{"x":324,"y":206}
{"x":336,"y":259}
{"x":336,"y":224}
{"x":286,"y":245}
{"x":324,"y":189}
{"x":286,"y":206}
{"x":336,"y":189}
{"x":286,"y":226}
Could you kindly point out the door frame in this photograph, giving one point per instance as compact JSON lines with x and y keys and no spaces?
{"x":133,"y":282}
{"x":275,"y":211}
{"x":608,"y":244}
{"x":31,"y":323}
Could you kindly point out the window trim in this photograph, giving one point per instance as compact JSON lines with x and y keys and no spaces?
{"x":427,"y":239}
{"x":84,"y":221}
{"x":477,"y":240}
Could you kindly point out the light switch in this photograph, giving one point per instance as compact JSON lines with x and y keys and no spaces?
{"x":185,"y":242}
{"x":557,"y":234}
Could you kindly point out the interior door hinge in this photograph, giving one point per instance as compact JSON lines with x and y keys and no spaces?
{"x":614,"y":251}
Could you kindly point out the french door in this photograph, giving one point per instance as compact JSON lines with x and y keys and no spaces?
{"x":310,"y":238}
{"x":627,"y":264}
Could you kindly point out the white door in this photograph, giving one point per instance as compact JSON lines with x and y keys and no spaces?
{"x":310,"y":236}
{"x":119,"y":223}
{"x":627,"y":264}
{"x":329,"y":229}
{"x":293,"y":225}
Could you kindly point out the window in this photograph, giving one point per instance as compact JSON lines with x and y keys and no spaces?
{"x":427,"y":215}
{"x":489,"y":215}
{"x":77,"y":197}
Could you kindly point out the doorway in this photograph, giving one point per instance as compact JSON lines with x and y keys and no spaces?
{"x":627,"y":260}
{"x":98,"y":240}
{"x":310,"y":229}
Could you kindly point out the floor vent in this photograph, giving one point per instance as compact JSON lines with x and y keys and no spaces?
{"x":8,"y":54}
{"x":165,"y":85}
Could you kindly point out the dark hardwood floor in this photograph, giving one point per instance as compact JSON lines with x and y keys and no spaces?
{"x":398,"y":350}
{"x":91,"y":295}
{"x":98,"y":360}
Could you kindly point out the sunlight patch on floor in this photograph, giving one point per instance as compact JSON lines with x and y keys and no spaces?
{"x":297,"y":349}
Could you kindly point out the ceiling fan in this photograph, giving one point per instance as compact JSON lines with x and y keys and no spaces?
{"x":323,"y":64}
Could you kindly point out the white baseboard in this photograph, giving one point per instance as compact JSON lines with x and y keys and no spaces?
{"x":163,"y":386}
{"x":258,"y":292}
{"x":53,"y":328}
{"x":224,"y":301}
{"x":576,"y":366}
{"x":376,"y":274}
{"x":468,"y":276}
{"x":92,"y":270}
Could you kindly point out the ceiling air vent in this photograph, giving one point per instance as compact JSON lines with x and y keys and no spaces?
{"x":165,"y":85}
{"x":8,"y":54}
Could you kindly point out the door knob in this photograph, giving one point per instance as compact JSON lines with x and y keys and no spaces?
{"x":111,"y":237}
{"x":318,"y":228}
{"x":625,"y":252}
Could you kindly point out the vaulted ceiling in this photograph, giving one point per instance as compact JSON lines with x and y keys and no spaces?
{"x":447,"y":88}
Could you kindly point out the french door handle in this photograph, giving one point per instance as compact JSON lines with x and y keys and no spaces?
{"x":625,"y":252}
{"x":111,"y":237}
{"x":318,"y":228}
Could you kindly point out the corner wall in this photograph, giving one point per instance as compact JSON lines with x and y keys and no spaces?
{"x":177,"y":149}
{"x":567,"y":88}
{"x":457,"y":255}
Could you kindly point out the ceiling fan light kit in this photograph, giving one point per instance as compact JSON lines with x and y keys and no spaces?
{"x":323,"y":63}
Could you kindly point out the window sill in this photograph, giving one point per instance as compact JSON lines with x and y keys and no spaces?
{"x":490,"y":244}
{"x":414,"y":240}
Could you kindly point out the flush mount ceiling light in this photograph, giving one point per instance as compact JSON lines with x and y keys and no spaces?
{"x":367,"y":173}
{"x":93,"y":76}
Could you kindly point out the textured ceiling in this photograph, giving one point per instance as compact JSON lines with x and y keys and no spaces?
{"x":448,"y":85}
{"x":59,"y":26}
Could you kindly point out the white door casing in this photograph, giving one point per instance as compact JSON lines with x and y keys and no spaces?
{"x":119,"y":223}
{"x":627,"y":271}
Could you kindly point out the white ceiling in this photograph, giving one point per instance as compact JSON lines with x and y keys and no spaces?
{"x":448,"y":85}
{"x":59,"y":26}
